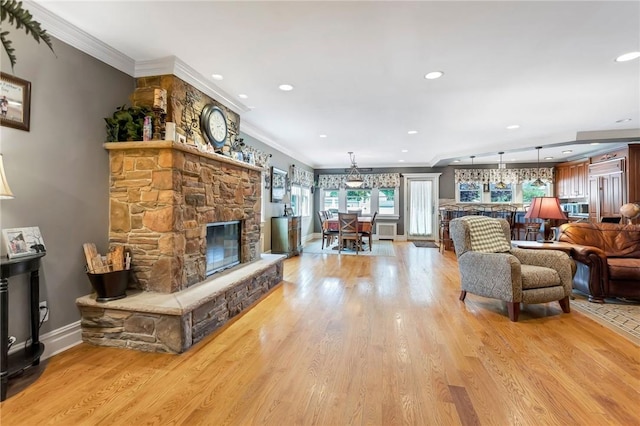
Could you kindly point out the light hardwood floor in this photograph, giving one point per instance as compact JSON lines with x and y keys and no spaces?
{"x":356,"y":340}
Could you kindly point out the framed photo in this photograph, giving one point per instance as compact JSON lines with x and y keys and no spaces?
{"x":15,"y":102}
{"x":23,"y":241}
{"x":278,"y":184}
{"x":288,"y":211}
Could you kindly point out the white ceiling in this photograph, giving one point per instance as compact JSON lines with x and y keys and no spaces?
{"x":358,"y":71}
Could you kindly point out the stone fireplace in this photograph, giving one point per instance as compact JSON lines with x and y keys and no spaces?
{"x":163,"y":198}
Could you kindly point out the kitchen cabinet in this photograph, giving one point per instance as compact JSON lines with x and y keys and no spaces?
{"x":286,"y":235}
{"x":572,"y":180}
{"x":607,"y":189}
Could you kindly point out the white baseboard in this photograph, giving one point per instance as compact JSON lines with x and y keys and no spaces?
{"x":56,"y":341}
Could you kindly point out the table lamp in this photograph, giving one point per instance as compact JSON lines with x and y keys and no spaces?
{"x":5,"y":191}
{"x":286,"y":199}
{"x":545,"y":208}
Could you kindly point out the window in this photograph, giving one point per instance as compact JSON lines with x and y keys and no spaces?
{"x":387,"y":201}
{"x":330,"y":200}
{"x":359,"y":199}
{"x":300,"y":200}
{"x":501,"y":195}
{"x":469,"y":193}
{"x":529,"y":192}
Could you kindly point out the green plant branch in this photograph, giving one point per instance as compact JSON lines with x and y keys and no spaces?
{"x":13,"y":12}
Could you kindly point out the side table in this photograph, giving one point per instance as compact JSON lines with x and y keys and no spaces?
{"x":9,"y":365}
{"x":534,"y":245}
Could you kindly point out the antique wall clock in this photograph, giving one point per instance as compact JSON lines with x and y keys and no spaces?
{"x":213,"y":123}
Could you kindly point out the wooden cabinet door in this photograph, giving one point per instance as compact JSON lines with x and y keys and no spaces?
{"x":594,"y":197}
{"x":612,"y":194}
{"x":582,"y":179}
{"x":562,"y":182}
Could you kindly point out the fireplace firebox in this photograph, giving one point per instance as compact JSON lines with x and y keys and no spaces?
{"x":223,"y":246}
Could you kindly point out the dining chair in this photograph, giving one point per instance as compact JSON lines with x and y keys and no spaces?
{"x":348,"y":230}
{"x":369,"y":233}
{"x":327,"y":234}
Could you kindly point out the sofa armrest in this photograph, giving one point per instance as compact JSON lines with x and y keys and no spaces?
{"x":554,"y":259}
{"x":596,"y":260}
{"x":495,"y":275}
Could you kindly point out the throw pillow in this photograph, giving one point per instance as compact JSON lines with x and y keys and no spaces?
{"x":486,"y":235}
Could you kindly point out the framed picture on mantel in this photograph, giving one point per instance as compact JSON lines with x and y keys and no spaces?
{"x":15,"y":102}
{"x":23,"y":241}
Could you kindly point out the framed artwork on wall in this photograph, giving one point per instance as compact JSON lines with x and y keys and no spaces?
{"x":278,"y":184}
{"x":15,"y":102}
{"x":23,"y":241}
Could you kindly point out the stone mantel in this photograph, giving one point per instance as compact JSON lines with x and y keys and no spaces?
{"x":181,"y":147}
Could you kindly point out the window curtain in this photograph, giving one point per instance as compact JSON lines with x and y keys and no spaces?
{"x":300,"y":177}
{"x":373,"y":180}
{"x":514,"y":176}
{"x":420,"y":204}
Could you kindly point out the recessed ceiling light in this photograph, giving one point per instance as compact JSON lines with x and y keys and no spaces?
{"x":323,"y":136}
{"x":568,"y":151}
{"x":285,"y":87}
{"x":433,"y":75}
{"x":513,"y":159}
{"x":594,"y":143}
{"x":412,"y":132}
{"x":513,"y":126}
{"x":628,"y":57}
{"x":242,"y":96}
{"x":400,"y":161}
{"x":548,"y":158}
{"x":624,"y":120}
{"x":405,"y":150}
{"x":456,"y":161}
{"x":217,"y":77}
{"x":251,"y":107}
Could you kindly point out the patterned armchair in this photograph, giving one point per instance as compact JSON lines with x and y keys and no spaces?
{"x":489,"y":267}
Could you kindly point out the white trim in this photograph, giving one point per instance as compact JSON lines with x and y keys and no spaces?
{"x":436,"y":197}
{"x":56,"y":341}
{"x":175,"y":66}
{"x":81,"y":40}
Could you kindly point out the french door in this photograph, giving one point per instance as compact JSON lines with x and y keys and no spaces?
{"x":421,"y":201}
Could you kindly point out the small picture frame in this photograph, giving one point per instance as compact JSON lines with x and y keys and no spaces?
{"x":15,"y":102}
{"x":238,"y":156}
{"x":181,"y":138}
{"x":288,"y":211}
{"x":23,"y":241}
{"x":250,"y":158}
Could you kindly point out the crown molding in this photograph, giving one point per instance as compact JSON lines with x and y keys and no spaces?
{"x":73,"y":36}
{"x":253,"y":131}
{"x":175,"y":66}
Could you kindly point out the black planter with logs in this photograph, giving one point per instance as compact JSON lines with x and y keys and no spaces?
{"x":110,"y":285}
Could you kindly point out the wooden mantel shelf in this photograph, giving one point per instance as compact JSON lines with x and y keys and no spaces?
{"x":161,"y":144}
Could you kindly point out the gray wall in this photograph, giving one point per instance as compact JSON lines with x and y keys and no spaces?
{"x":280,"y":161}
{"x":58,"y":171}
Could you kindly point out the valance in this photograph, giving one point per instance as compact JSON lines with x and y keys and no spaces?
{"x":513,"y":176}
{"x":301,"y":177}
{"x":373,"y":180}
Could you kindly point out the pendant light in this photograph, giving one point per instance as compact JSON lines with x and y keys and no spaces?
{"x":501,"y":184}
{"x":538,"y":182}
{"x":354,"y":179}
{"x":472,"y":184}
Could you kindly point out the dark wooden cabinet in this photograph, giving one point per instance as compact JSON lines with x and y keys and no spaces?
{"x":607,"y":183}
{"x":572,"y":180}
{"x":286,"y":235}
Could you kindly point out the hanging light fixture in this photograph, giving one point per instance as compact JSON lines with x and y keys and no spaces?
{"x":538,"y":182}
{"x":354,"y":179}
{"x":472,"y":184}
{"x":501,"y":184}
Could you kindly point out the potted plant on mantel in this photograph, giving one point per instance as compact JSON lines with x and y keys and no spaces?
{"x":127,"y":124}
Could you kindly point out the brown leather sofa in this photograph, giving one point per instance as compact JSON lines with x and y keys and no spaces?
{"x":607,"y":257}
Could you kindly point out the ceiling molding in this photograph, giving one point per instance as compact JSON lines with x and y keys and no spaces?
{"x":251,"y":130}
{"x":622,"y":135}
{"x":175,"y":66}
{"x":75,"y":37}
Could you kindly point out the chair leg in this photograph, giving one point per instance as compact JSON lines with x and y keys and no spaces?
{"x":514,"y":310}
{"x":564,"y":304}
{"x":463,"y":294}
{"x":323,"y":237}
{"x":370,"y":237}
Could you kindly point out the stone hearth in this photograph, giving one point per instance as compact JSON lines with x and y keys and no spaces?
{"x":162,"y":196}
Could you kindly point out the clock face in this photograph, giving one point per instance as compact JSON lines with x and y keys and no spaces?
{"x":214,"y":125}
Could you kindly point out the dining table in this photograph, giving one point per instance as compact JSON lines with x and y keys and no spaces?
{"x":364,"y":224}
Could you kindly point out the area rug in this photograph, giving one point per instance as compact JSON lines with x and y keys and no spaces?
{"x":378,"y":248}
{"x":621,"y":316}
{"x":427,"y":244}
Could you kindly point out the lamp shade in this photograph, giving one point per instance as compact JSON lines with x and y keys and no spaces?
{"x":5,"y":191}
{"x":545,"y":208}
{"x":286,"y":198}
